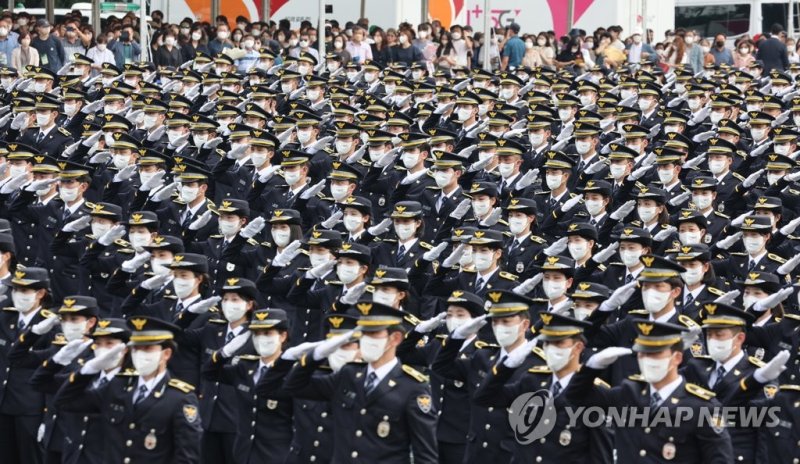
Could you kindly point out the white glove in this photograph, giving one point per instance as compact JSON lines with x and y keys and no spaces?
{"x":321,"y":143}
{"x":620,"y":296}
{"x":444,"y":108}
{"x":157,"y":134}
{"x":493,"y":217}
{"x":201,"y":222}
{"x":557,"y":247}
{"x":104,"y":362}
{"x":431,"y":324}
{"x":296,"y":352}
{"x":760,"y":150}
{"x":518,"y":356}
{"x":773,"y":369}
{"x":327,"y":347}
{"x":14,"y":183}
{"x":235,"y":345}
{"x":461,"y":209}
{"x":623,"y":211}
{"x":101,"y":157}
{"x":750,"y":180}
{"x":212,"y":144}
{"x":595,"y":167}
{"x":357,"y":156}
{"x":728,"y":241}
{"x":179,"y":141}
{"x":238,"y":153}
{"x":253,"y":228}
{"x":210,"y":89}
{"x":795,"y":175}
{"x":155,"y":282}
{"x":321,"y":270}
{"x":267,"y":174}
{"x":664,"y":234}
{"x":607,"y":357}
{"x":703,"y":136}
{"x":20,"y":121}
{"x":527,"y":179}
{"x":688,"y":338}
{"x":528,"y":285}
{"x":69,"y":150}
{"x":202,"y":306}
{"x":39,"y":184}
{"x":112,"y":234}
{"x":387,"y":159}
{"x":45,"y":325}
{"x":208,"y":106}
{"x":78,"y":224}
{"x":380,"y":228}
{"x":132,"y":116}
{"x":789,"y":228}
{"x":480,"y":164}
{"x":411,"y":178}
{"x":92,"y":139}
{"x":638,"y":173}
{"x":680,"y":198}
{"x":739,"y":220}
{"x":154,"y":182}
{"x":569,"y":204}
{"x":334,"y":219}
{"x":464,"y":154}
{"x":789,"y":266}
{"x":70,"y":351}
{"x":92,"y":107}
{"x":455,"y":257}
{"x":728,"y":298}
{"x":130,"y":266}
{"x":165,"y":193}
{"x":773,"y":300}
{"x":354,"y":294}
{"x":700,"y":116}
{"x":313,"y":190}
{"x":125,"y":173}
{"x":434,"y":253}
{"x":470,"y":328}
{"x":603,"y":255}
{"x":285,"y":257}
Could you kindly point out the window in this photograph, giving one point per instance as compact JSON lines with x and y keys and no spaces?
{"x":709,"y":21}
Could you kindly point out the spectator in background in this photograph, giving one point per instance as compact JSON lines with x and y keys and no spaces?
{"x":197,"y":42}
{"x":677,"y":53}
{"x":304,"y":46}
{"x":24,"y":55}
{"x":708,"y":58}
{"x":531,"y":58}
{"x":168,"y":54}
{"x":339,"y":42}
{"x":244,"y":63}
{"x":721,"y":53}
{"x":404,"y":51}
{"x":100,"y":53}
{"x":8,"y":41}
{"x":513,"y":48}
{"x":545,"y":48}
{"x":424,"y":43}
{"x":71,"y":41}
{"x":743,"y":56}
{"x":125,"y":49}
{"x":221,"y":41}
{"x":570,"y":54}
{"x":693,"y":49}
{"x":638,"y":50}
{"x":357,"y":47}
{"x":460,"y":45}
{"x":791,"y":49}
{"x":446,"y":54}
{"x":616,"y":41}
{"x":51,"y":52}
{"x":772,"y":52}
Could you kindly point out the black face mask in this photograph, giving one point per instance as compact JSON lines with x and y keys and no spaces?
{"x":125,"y":37}
{"x":720,"y":43}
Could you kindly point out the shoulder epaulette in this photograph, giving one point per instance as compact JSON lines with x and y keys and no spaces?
{"x":725,"y":216}
{"x":252,"y":241}
{"x":598,"y":382}
{"x":538,"y":352}
{"x":266,"y":244}
{"x":217,"y":321}
{"x":482,"y":345}
{"x":47,"y":313}
{"x":215,"y":236}
{"x":59,"y":340}
{"x":415,"y":374}
{"x":687,"y":321}
{"x":425,"y":245}
{"x":715,"y":291}
{"x":699,"y":391}
{"x":248,"y":357}
{"x":755,"y":361}
{"x":129,"y":372}
{"x":540,"y":370}
{"x":508,"y":275}
{"x":122,"y":243}
{"x":602,"y":267}
{"x":790,"y":387}
{"x":537,"y":239}
{"x":738,"y":176}
{"x":636,"y":378}
{"x":181,"y":385}
{"x":64,"y":132}
{"x":616,"y":263}
{"x":775,"y":258}
{"x":639,"y":312}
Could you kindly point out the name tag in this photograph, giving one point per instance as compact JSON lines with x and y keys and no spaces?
{"x":243,"y":388}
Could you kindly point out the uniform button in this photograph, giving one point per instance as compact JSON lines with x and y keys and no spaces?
{"x":253,"y":424}
{"x":252,"y":437}
{"x":324,"y":414}
{"x":131,"y":426}
{"x":86,"y":418}
{"x":316,"y":443}
{"x":126,"y":460}
{"x":254,"y":409}
{"x":354,"y":454}
{"x":488,"y":426}
{"x":358,"y":433}
{"x":320,"y":429}
{"x":647,"y":430}
{"x":740,"y":458}
{"x":312,"y":458}
{"x":129,"y":443}
{"x":83,"y":433}
{"x":363,"y":411}
{"x":80,"y":447}
{"x":490,"y":409}
{"x":642,"y":452}
{"x":538,"y":459}
{"x":485,"y":444}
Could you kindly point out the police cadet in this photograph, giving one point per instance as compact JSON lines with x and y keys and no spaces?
{"x":382,"y":410}
{"x":149,"y":416}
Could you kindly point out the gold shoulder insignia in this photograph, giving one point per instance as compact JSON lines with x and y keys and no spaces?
{"x":639,"y":312}
{"x":755,"y":361}
{"x":790,"y":387}
{"x":181,"y":385}
{"x":129,"y":372}
{"x":636,"y":378}
{"x":537,"y":239}
{"x":252,"y":241}
{"x":248,"y":357}
{"x":508,"y":275}
{"x":687,"y":321}
{"x":724,"y":216}
{"x":64,"y":132}
{"x":738,"y":176}
{"x":217,"y":321}
{"x":699,"y":391}
{"x":598,"y":382}
{"x":481,"y":345}
{"x":540,"y":370}
{"x":415,"y":374}
{"x":715,"y":291}
{"x":122,"y":243}
{"x":539,"y":352}
{"x":776,"y":258}
{"x":427,"y":246}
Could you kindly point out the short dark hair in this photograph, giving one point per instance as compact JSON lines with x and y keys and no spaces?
{"x":776,"y":29}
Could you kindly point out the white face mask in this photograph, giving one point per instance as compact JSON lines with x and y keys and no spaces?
{"x":146,"y":362}
{"x":564,"y":114}
{"x":773,"y":179}
{"x":647,"y":213}
{"x":463,"y":114}
{"x":99,"y":229}
{"x":188,"y":194}
{"x":702,"y":201}
{"x":554,"y":289}
{"x":183,"y":287}
{"x":453,"y":323}
{"x":630,"y":258}
{"x":482,"y":109}
{"x":317,"y":259}
{"x":100,"y":351}
{"x":581,"y":313}
{"x":291,"y":177}
{"x":376,"y":154}
{"x":693,"y":275}
{"x":753,"y":245}
{"x":343,"y":147}
{"x":506,"y":169}
{"x":517,"y":225}
{"x":287,"y":88}
{"x":410,"y":160}
{"x":694,"y":104}
{"x":716,"y":166}
{"x":404,"y":231}
{"x":483,"y":261}
{"x":583,"y":147}
{"x":586,"y":100}
{"x":23,"y":302}
{"x":782,"y":149}
{"x":370,"y":76}
{"x":481,"y":208}
{"x":593,"y":207}
{"x":624,"y":94}
{"x":758,"y":134}
{"x":442,"y":178}
{"x":617,"y":171}
{"x":73,"y":330}
{"x":553,"y":181}
{"x":149,"y":121}
{"x":68,"y":194}
{"x":281,"y":237}
{"x":372,"y":348}
{"x":654,"y":370}
{"x":160,"y":266}
{"x":266,"y":345}
{"x":506,"y":335}
{"x":719,"y":350}
{"x":39,"y":87}
{"x":670,"y":129}
{"x":654,"y":300}
{"x":665,"y":176}
{"x":689,"y":238}
{"x":536,"y":139}
{"x":353,"y":223}
{"x":340,"y":357}
{"x":347,"y":273}
{"x":749,"y":300}
{"x":139,"y":240}
{"x":644,"y":104}
{"x":578,"y":249}
{"x":312,"y":95}
{"x":303,"y":136}
{"x":507,"y":94}
{"x":120,"y":161}
{"x":258,"y":158}
{"x":228,"y":228}
{"x":70,"y":109}
{"x":557,"y":357}
{"x":173,"y":136}
{"x":339,"y":192}
{"x":383,"y":297}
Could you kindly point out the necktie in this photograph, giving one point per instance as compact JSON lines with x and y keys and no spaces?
{"x":514,"y":245}
{"x":479,"y":284}
{"x":401,"y":253}
{"x":629,"y":278}
{"x":66,"y":215}
{"x":178,"y":308}
{"x":720,"y":374}
{"x":259,"y":374}
{"x":440,"y":202}
{"x":229,"y":337}
{"x":581,"y":165}
{"x":752,"y":265}
{"x":689,"y":299}
{"x":39,"y":137}
{"x":141,"y":394}
{"x":21,"y":326}
{"x":371,"y":382}
{"x":502,"y":185}
{"x":556,"y":389}
{"x":552,"y":202}
{"x":592,"y":222}
{"x":655,"y":399}
{"x":187,"y":218}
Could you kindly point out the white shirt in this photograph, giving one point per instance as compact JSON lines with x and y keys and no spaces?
{"x":756,"y":258}
{"x":504,"y":353}
{"x":193,"y":209}
{"x":109,"y":376}
{"x":74,"y":207}
{"x":407,"y":244}
{"x":189,"y":301}
{"x":235,"y":331}
{"x":149,"y":384}
{"x":667,"y":390}
{"x":729,"y":365}
{"x":27,"y":318}
{"x":694,"y":293}
{"x":485,"y":278}
{"x":635,"y":273}
{"x":554,"y":308}
{"x":665,"y":317}
{"x":382,"y":371}
{"x":564,"y":381}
